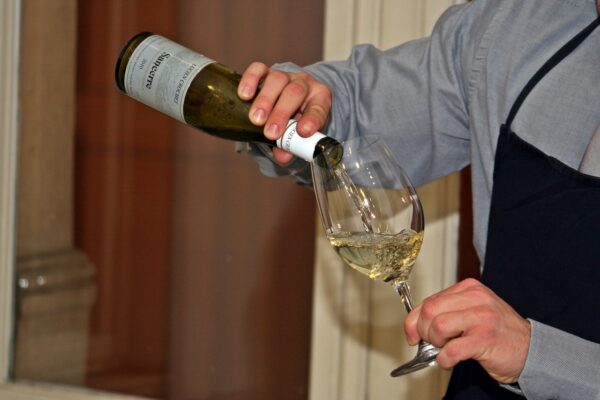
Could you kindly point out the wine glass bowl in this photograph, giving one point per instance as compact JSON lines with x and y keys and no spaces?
{"x":373,"y":218}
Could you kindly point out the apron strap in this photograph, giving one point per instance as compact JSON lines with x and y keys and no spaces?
{"x":548,"y":65}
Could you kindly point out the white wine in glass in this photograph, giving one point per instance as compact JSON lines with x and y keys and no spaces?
{"x":373,"y":218}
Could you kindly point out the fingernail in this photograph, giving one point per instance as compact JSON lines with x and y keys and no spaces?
{"x":259,"y":116}
{"x":272,"y":131}
{"x":245,"y":91}
{"x":307,"y":128}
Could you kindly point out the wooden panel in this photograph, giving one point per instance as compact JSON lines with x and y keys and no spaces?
{"x":242,"y":243}
{"x":160,"y":206}
{"x":236,"y":32}
{"x":123,"y":180}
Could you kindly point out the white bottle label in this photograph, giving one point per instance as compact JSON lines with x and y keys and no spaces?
{"x":160,"y":72}
{"x":300,"y":146}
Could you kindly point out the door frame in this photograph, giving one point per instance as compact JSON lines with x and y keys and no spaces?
{"x":10,"y":41}
{"x":10,"y":15}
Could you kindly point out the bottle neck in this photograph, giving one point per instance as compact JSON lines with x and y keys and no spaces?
{"x":302,"y":147}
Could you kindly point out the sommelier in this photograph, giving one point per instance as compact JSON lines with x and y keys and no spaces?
{"x":512,"y":88}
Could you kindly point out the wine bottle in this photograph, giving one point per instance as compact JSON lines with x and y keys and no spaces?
{"x":203,"y":93}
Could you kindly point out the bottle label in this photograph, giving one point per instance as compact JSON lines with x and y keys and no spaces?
{"x":160,"y":72}
{"x":300,"y":146}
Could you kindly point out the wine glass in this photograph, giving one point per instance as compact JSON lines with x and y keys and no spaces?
{"x":373,"y":218}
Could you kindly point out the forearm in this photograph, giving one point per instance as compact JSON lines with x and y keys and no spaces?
{"x":412,"y":96}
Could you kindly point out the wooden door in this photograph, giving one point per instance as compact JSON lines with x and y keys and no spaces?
{"x":123,"y":196}
{"x":203,"y":266}
{"x":243,"y":244}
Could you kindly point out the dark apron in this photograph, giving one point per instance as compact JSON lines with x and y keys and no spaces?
{"x":543,"y":246}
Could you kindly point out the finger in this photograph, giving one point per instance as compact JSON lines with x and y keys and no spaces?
{"x":410,"y":326}
{"x":501,"y":349}
{"x":463,"y":285}
{"x":457,"y":350}
{"x":282,"y":156}
{"x":433,"y":308}
{"x":448,"y":326}
{"x":315,"y":113}
{"x":250,"y":80}
{"x":269,"y":94}
{"x":456,"y":297}
{"x":417,"y":324}
{"x":443,"y":300}
{"x":292,"y":97}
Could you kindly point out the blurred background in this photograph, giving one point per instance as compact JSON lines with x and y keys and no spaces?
{"x":153,"y":260}
{"x":189,"y":291}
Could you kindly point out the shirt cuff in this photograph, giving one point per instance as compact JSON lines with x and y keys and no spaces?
{"x":560,"y":365}
{"x":513,"y":387}
{"x":297,"y":169}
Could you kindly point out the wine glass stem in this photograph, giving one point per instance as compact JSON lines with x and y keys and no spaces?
{"x":404,"y":291}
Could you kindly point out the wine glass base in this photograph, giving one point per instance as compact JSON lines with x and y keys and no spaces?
{"x":425,"y":358}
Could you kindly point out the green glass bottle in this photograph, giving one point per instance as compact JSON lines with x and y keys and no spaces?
{"x":202,"y":93}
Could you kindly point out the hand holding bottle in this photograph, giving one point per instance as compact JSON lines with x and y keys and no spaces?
{"x":203,"y":93}
{"x":281,"y":96}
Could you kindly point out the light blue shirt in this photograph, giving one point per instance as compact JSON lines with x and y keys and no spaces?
{"x":439,"y":102}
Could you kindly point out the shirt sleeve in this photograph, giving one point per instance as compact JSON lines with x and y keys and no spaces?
{"x":297,"y":168}
{"x":560,"y":366}
{"x":411,"y":95}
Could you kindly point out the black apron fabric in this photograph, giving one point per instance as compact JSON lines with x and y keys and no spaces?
{"x":543,"y":245}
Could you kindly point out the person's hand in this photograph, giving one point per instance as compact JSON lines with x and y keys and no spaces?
{"x":469,"y":321}
{"x":282,"y":96}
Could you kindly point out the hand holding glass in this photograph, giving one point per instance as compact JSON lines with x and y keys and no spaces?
{"x":374,"y":220}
